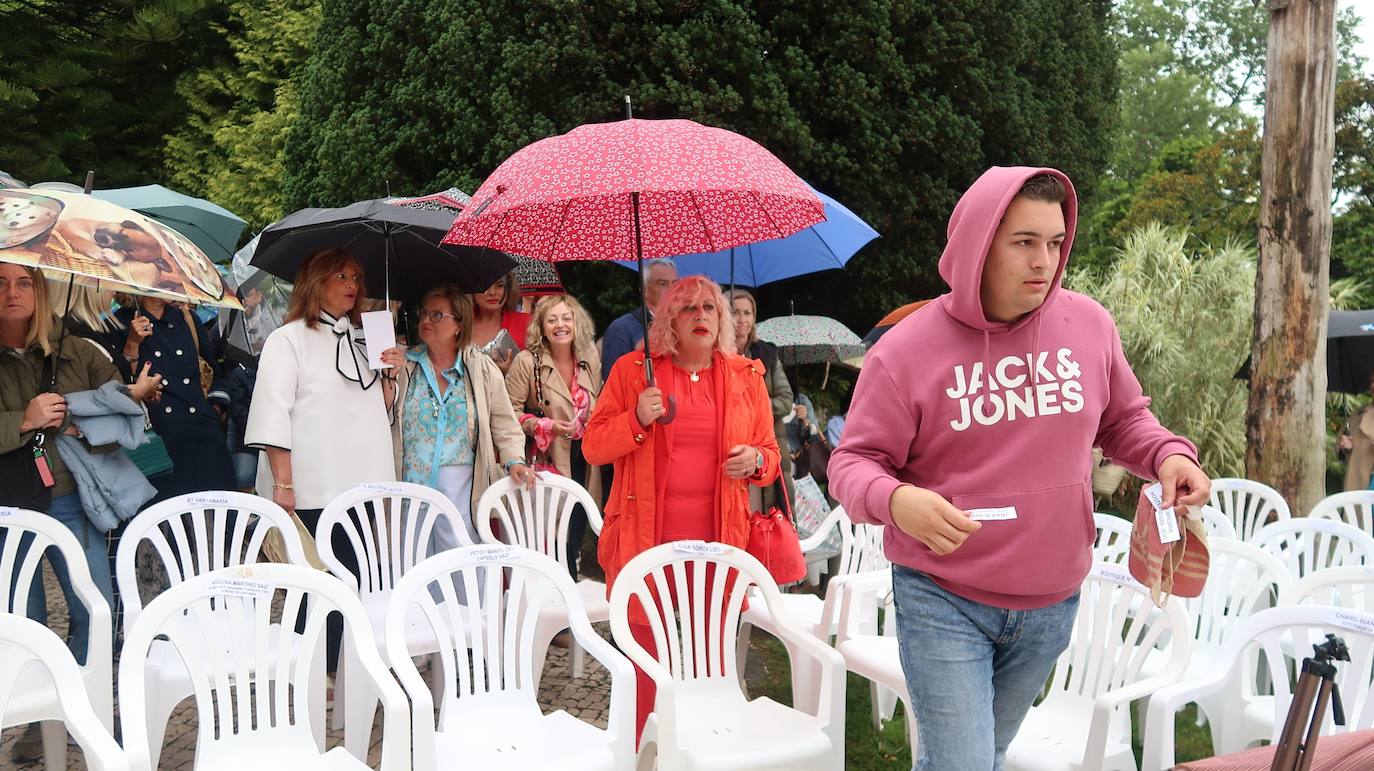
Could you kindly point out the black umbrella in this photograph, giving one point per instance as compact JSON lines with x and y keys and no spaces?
{"x":1349,"y":352}
{"x":398,"y":248}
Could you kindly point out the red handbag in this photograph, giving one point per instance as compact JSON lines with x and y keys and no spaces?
{"x":773,"y":541}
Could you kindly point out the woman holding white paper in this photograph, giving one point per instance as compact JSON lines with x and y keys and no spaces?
{"x":452,"y":428}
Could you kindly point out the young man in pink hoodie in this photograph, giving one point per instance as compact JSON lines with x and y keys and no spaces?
{"x":970,"y":437}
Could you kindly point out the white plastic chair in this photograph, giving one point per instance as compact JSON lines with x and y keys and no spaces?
{"x":31,"y":654}
{"x":389,"y":526}
{"x":1113,"y":541}
{"x":1355,"y":508}
{"x":874,"y":657}
{"x":1242,"y":580}
{"x":27,"y":535}
{"x":1345,"y":587}
{"x":861,"y":551}
{"x":1284,"y":636}
{"x":262,"y":705}
{"x":192,"y":535}
{"x":691,"y":595}
{"x":1250,"y":505}
{"x":1116,"y":631}
{"x":488,"y":671}
{"x":538,"y":520}
{"x":1217,"y":524}
{"x":1307,"y":545}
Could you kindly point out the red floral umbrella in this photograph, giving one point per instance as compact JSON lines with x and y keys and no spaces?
{"x":635,"y":190}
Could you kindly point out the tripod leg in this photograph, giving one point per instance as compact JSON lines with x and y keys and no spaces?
{"x":1315,"y":728}
{"x":1289,"y":745}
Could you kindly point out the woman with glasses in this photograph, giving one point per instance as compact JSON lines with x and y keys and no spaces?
{"x":553,"y":386}
{"x":453,"y":428}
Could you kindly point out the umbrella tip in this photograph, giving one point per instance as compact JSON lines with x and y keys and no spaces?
{"x":90,"y":181}
{"x":629,"y":110}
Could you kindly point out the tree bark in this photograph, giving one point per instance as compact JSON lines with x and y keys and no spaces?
{"x":1286,"y":419}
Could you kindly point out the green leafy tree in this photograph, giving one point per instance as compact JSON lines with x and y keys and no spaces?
{"x":89,"y":84}
{"x":232,"y":146}
{"x":892,"y":107}
{"x":1157,"y":280}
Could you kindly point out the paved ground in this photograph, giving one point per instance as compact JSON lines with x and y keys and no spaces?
{"x":586,"y":698}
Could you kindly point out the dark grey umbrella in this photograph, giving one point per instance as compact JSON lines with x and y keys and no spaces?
{"x":398,"y":248}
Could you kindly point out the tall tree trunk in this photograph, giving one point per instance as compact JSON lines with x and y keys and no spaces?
{"x":1286,"y":420}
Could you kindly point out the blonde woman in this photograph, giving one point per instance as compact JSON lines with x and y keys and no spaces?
{"x":553,"y":385}
{"x":744,"y":310}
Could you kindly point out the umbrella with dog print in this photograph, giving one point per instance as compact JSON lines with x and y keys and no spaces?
{"x":98,"y":243}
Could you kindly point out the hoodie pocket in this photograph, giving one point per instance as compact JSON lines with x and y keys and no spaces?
{"x":1045,"y":549}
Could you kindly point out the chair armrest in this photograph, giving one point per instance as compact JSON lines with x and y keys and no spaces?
{"x":1158,"y":738}
{"x":620,"y":719}
{"x":813,"y":541}
{"x":831,"y":664}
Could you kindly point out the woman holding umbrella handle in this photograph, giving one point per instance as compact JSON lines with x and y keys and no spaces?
{"x":690,"y":479}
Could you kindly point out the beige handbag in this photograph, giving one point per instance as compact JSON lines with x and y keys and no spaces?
{"x":274,"y":545}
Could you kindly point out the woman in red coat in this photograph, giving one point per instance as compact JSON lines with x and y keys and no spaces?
{"x":721,"y":441}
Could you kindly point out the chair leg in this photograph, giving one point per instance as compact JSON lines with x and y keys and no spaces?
{"x":579,"y":661}
{"x":160,"y":708}
{"x":54,"y":734}
{"x":336,"y":720}
{"x":742,"y":652}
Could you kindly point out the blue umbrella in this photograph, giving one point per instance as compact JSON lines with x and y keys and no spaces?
{"x":211,"y":227}
{"x":825,"y":246}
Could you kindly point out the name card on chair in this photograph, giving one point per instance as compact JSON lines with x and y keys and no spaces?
{"x":701,"y":548}
{"x":1352,"y":619}
{"x":242,"y":587}
{"x":8,"y":511}
{"x":495,"y":553}
{"x":387,"y":488}
{"x":1112,"y":573}
{"x":208,"y":500}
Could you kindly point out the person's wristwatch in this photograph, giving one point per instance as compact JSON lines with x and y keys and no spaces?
{"x":758,"y":462}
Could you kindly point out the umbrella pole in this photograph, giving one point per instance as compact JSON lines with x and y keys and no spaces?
{"x":732,"y":271}
{"x":670,"y":411}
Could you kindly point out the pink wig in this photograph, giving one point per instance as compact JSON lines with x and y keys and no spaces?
{"x":686,"y":291}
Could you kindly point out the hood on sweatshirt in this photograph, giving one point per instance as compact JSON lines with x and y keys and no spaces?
{"x":971,"y":227}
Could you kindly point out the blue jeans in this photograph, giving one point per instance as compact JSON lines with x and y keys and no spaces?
{"x":972,"y":670}
{"x":67,"y":510}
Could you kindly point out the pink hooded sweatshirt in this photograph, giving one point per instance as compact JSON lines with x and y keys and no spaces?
{"x":997,"y":417}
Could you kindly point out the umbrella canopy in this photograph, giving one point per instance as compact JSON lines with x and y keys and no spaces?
{"x":810,"y":339}
{"x":535,"y":277}
{"x":398,"y":248}
{"x":636,"y":189}
{"x":891,"y":319}
{"x":7,"y":181}
{"x":98,"y":242}
{"x":826,"y":245}
{"x":211,"y":227}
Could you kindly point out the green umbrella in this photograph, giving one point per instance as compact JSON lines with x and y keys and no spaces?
{"x":211,"y":227}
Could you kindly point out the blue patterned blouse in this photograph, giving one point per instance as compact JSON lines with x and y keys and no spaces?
{"x":436,"y":430}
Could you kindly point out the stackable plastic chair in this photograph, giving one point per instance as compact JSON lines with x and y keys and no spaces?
{"x":1355,"y":508}
{"x":874,"y":657}
{"x":192,"y":535}
{"x":258,"y":684}
{"x":1113,"y":541}
{"x":489,"y":662}
{"x":1307,"y":545}
{"x":1117,"y":630}
{"x":538,"y":520}
{"x":1345,"y":587}
{"x":1250,"y":505}
{"x":1217,"y":524}
{"x":31,"y":656}
{"x":388,"y":526}
{"x":861,"y":551}
{"x":691,"y":595}
{"x":1284,"y":636}
{"x":26,"y":535}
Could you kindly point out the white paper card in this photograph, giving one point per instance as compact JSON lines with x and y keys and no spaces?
{"x":382,"y":487}
{"x":380,"y":332}
{"x":1354,"y":620}
{"x":8,"y":511}
{"x":241,"y":587}
{"x":992,"y":515}
{"x":208,"y":500}
{"x":701,"y":547}
{"x":495,"y":553}
{"x":1165,"y":519}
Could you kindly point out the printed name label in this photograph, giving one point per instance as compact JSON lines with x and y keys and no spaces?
{"x":8,"y":511}
{"x":701,"y":548}
{"x":1115,"y":574}
{"x":1350,"y":619}
{"x":495,"y":553}
{"x":992,"y":515}
{"x":383,"y":487}
{"x":1165,"y":519}
{"x":241,"y":587}
{"x":208,"y":500}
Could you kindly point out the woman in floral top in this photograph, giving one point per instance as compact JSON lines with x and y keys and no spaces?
{"x":453,"y":428}
{"x":553,"y":386}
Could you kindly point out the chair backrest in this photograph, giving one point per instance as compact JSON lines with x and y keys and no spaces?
{"x":1116,"y":631}
{"x":1250,"y":505}
{"x":487,"y":649}
{"x":24,"y":538}
{"x":388,"y":525}
{"x":534,"y":519}
{"x":191,"y":535}
{"x":24,"y":644}
{"x":1218,"y":524}
{"x":263,"y":679}
{"x":1307,"y":545}
{"x":1286,"y":635}
{"x":1113,"y":541}
{"x":1242,"y":580}
{"x":861,"y":545}
{"x":1354,"y":508}
{"x":1351,"y":587}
